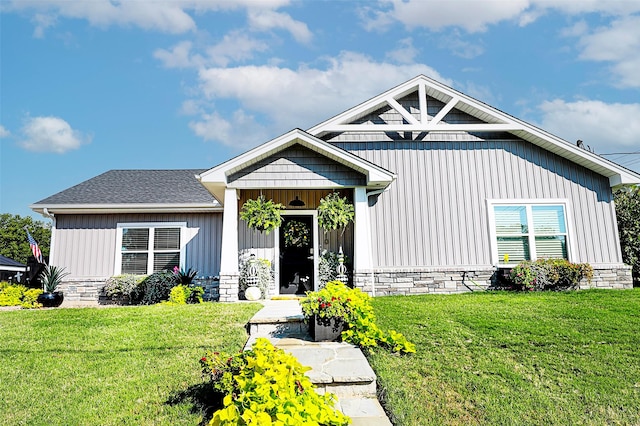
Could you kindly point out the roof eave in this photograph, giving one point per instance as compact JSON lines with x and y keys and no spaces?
{"x":46,"y":209}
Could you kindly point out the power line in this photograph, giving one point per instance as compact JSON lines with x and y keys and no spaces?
{"x":622,"y":153}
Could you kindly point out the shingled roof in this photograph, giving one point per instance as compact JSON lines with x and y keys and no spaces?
{"x":133,"y":188}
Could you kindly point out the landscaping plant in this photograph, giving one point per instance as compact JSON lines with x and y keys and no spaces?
{"x":267,"y":386}
{"x":550,"y":274}
{"x":353,"y":306}
{"x":19,"y":295}
{"x":262,"y":214}
{"x":335,"y":212}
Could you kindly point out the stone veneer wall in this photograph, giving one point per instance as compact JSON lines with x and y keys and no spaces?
{"x":410,"y":281}
{"x":229,"y":286}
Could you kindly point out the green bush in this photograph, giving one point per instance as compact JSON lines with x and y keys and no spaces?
{"x":627,"y":201}
{"x":19,"y":295}
{"x":549,"y":274}
{"x":266,"y":386}
{"x":336,"y":300}
{"x":122,"y":286}
{"x":155,"y":288}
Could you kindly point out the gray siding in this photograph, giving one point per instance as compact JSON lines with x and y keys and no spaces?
{"x":86,"y":244}
{"x":435,"y":214}
{"x":294,"y":167}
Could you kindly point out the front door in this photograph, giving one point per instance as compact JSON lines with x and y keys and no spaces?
{"x":296,"y":254}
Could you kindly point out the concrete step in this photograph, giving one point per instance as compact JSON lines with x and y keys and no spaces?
{"x":364,"y":411}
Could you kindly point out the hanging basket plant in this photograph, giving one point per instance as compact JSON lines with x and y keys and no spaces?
{"x":335,"y":212}
{"x":296,"y":234}
{"x":262,"y":214}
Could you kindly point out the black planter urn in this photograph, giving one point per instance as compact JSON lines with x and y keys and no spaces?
{"x":325,"y":329}
{"x":51,"y":300}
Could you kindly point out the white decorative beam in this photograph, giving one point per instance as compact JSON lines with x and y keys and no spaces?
{"x":402,"y":110}
{"x":445,"y":110}
{"x":481,"y":127}
{"x":422,"y":98}
{"x":229,"y":255}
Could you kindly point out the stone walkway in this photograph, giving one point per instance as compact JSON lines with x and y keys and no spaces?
{"x":339,"y":368}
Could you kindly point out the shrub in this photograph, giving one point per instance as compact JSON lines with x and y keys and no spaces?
{"x":155,"y":288}
{"x":183,"y":294}
{"x":19,"y":295}
{"x":336,"y":300}
{"x":265,"y":385}
{"x":550,"y":274}
{"x":122,"y":286}
{"x":627,"y":201}
{"x":185,"y":277}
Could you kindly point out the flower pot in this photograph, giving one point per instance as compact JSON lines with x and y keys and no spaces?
{"x":325,"y":329}
{"x":253,"y":293}
{"x":51,"y":300}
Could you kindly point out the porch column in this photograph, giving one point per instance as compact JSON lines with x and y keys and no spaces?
{"x":229,"y":275}
{"x":362,"y":260}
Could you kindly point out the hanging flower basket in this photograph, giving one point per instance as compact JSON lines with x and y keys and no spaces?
{"x":335,"y":212}
{"x":262,"y":214}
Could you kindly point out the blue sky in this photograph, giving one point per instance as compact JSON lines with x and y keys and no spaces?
{"x":89,"y":86}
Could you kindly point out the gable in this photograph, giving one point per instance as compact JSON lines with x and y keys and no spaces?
{"x":296,"y":166}
{"x":423,"y":105}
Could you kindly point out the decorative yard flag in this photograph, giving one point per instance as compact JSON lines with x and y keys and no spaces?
{"x":35,"y":249}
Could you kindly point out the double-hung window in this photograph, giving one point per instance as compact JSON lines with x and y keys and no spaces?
{"x":529,"y":231}
{"x":145,"y":248}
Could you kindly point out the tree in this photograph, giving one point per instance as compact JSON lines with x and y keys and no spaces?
{"x":13,"y":238}
{"x":627,"y":200}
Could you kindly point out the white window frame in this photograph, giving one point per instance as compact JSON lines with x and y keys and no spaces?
{"x":151,"y":226}
{"x":528,"y":204}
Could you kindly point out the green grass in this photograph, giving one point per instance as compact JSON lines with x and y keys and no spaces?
{"x":116,"y":366}
{"x":508,"y":358}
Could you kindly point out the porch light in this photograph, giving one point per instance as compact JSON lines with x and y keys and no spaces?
{"x":297,"y":202}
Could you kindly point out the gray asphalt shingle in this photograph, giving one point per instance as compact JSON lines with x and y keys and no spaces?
{"x":136,"y":187}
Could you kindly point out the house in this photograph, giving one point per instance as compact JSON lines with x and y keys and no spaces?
{"x":446,"y":191}
{"x":11,"y":269}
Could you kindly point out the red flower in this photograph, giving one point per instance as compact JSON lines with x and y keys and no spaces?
{"x":203,"y":359}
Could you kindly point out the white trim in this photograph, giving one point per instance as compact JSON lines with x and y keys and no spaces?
{"x":362,"y":244}
{"x":125,"y":208}
{"x":149,"y":225}
{"x":316,"y":249}
{"x":529,"y":202}
{"x":13,"y":268}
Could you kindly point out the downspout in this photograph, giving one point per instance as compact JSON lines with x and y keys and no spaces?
{"x":373,"y":283}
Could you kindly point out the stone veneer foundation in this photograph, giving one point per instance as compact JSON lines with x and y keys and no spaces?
{"x":401,"y":281}
{"x":409,"y":281}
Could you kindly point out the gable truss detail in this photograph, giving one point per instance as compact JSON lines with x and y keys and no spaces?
{"x":485,"y":119}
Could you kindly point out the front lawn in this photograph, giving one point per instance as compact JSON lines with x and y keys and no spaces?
{"x":115,"y":366}
{"x":509,"y":358}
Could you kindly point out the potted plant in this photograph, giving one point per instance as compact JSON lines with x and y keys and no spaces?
{"x":51,"y":278}
{"x":327,"y":311}
{"x":262,"y":214}
{"x":335,"y":212}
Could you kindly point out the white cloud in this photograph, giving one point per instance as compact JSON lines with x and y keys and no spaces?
{"x":302,"y":97}
{"x":618,"y":43}
{"x":170,"y":16}
{"x":51,"y":134}
{"x":235,"y":47}
{"x":264,"y":20}
{"x":475,"y":16}
{"x":179,"y":56}
{"x":4,"y":132}
{"x":213,"y":127}
{"x":454,"y":42}
{"x":605,"y":127}
{"x":405,"y":53}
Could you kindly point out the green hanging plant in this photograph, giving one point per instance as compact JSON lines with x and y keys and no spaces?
{"x":296,"y":234}
{"x":335,"y":212}
{"x":262,"y":214}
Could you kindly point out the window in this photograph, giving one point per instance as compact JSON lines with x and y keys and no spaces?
{"x":144,"y":248}
{"x":529,"y":231}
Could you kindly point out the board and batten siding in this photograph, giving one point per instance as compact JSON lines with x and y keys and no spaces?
{"x":86,"y":244}
{"x":296,"y":167}
{"x":435,"y":214}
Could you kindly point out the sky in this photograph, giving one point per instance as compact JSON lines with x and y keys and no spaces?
{"x":90,"y":86}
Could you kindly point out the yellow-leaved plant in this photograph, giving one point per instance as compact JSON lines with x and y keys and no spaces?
{"x":266,"y":386}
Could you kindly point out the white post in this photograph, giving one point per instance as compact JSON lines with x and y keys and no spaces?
{"x":362,"y":256}
{"x":229,"y":257}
